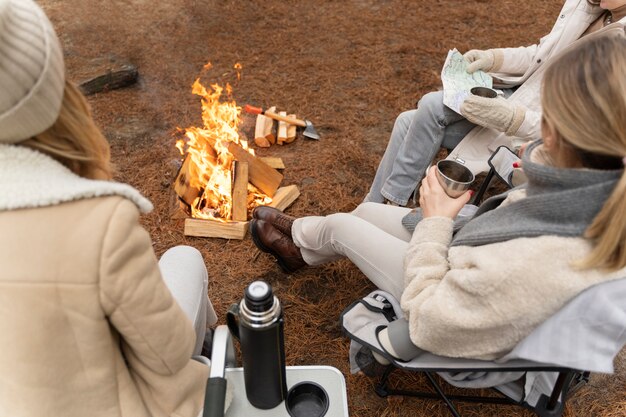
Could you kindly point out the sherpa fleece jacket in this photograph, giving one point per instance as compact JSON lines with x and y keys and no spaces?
{"x":480,"y":301}
{"x":87,"y":325}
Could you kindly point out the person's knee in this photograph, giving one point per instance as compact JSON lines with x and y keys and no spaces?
{"x":432,"y":103}
{"x":336,"y":223}
{"x":403,"y":121}
{"x":183,"y":259}
{"x":364,"y":209}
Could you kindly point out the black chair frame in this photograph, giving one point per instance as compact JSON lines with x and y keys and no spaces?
{"x":568,"y":381}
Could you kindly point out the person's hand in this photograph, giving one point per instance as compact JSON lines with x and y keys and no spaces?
{"x":435,"y":202}
{"x":495,"y":113}
{"x":479,"y":60}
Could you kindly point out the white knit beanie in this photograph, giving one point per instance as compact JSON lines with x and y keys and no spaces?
{"x":32,"y":74}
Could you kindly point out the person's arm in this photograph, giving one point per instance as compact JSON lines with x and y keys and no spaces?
{"x":514,"y":61}
{"x":449,"y":307}
{"x":503,"y":61}
{"x":136,"y":300}
{"x":445,"y":299}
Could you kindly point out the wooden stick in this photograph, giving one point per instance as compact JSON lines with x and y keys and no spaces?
{"x":269,"y":126}
{"x":273,"y":161}
{"x":240,"y":192}
{"x":110,"y":76}
{"x":178,"y":209}
{"x":284,"y":197}
{"x":182,"y":185}
{"x":291,"y":131}
{"x":282,"y":129}
{"x":259,"y":132}
{"x":264,"y":177}
{"x":215,"y":228}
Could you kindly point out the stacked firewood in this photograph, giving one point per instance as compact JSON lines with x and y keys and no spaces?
{"x":268,"y":132}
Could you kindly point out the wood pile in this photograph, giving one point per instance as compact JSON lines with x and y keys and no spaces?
{"x":247,"y":168}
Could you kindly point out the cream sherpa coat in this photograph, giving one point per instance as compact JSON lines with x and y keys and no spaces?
{"x":489,"y":297}
{"x":87,"y":325}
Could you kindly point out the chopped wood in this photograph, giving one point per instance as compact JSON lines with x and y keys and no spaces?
{"x":261,"y":175}
{"x":284,"y":197}
{"x":109,"y":76}
{"x":182,"y":185}
{"x":259,"y":132}
{"x":282,"y":129}
{"x":269,"y":127}
{"x":273,"y":161}
{"x":240,"y":192}
{"x":215,"y":228}
{"x":291,"y":131}
{"x":178,"y":209}
{"x":262,"y":142}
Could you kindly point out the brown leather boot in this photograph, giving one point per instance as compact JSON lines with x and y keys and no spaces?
{"x":276,"y":217}
{"x":269,"y":239}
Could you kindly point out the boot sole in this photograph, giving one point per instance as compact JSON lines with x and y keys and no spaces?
{"x":263,"y":248}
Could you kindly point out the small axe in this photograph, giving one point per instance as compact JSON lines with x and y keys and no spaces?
{"x":309,"y":130}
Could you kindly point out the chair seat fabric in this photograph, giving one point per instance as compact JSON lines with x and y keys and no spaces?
{"x":586,"y":335}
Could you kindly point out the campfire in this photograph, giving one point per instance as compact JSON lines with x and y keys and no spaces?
{"x":221,"y":180}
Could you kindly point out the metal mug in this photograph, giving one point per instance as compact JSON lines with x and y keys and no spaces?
{"x":484,"y":92}
{"x":454,"y":177}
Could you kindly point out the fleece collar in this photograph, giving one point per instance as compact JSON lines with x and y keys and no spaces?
{"x":30,"y":179}
{"x":558,"y":202}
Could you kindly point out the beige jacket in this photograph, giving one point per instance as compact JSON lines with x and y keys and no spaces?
{"x":524,"y":67}
{"x":88,"y":327}
{"x":489,"y":297}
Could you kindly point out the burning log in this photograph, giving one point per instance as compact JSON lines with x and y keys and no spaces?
{"x":240,"y":192}
{"x":182,"y":185}
{"x":214,"y":228}
{"x":262,"y":176}
{"x":283,"y":198}
{"x":273,"y":161}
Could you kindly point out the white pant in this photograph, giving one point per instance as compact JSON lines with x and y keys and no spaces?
{"x":372,"y":237}
{"x":186,"y":277}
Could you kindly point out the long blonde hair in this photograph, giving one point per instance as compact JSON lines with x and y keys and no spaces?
{"x":584,"y":101}
{"x":74,"y":139}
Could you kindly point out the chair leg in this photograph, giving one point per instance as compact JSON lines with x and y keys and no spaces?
{"x":443,"y":396}
{"x":483,"y":188}
{"x":551,"y":406}
{"x":560,"y":387}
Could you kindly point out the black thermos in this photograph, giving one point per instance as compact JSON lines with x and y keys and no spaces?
{"x":257,"y":322}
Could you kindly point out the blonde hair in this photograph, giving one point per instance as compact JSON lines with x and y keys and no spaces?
{"x":584,"y":101}
{"x":74,"y":139}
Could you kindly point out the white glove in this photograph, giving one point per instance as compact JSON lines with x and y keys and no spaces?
{"x":495,"y":113}
{"x":479,"y":60}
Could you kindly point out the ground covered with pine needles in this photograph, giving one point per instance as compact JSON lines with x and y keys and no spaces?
{"x":350,"y":67}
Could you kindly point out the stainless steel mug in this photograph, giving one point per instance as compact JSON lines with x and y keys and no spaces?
{"x":484,"y":92}
{"x":454,"y":177}
{"x":257,"y":322}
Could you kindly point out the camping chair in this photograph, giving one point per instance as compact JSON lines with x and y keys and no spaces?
{"x":557,"y":357}
{"x":500,"y":167}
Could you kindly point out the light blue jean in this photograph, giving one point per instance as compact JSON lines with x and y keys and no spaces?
{"x":416,"y":138}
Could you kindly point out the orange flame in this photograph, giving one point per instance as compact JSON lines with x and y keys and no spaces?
{"x":210,"y":164}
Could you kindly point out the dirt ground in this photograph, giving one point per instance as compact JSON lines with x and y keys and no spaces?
{"x":349,"y":66}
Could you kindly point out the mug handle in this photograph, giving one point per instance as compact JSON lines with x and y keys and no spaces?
{"x":232,"y":320}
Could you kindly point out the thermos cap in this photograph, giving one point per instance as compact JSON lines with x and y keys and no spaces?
{"x":259,"y":296}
